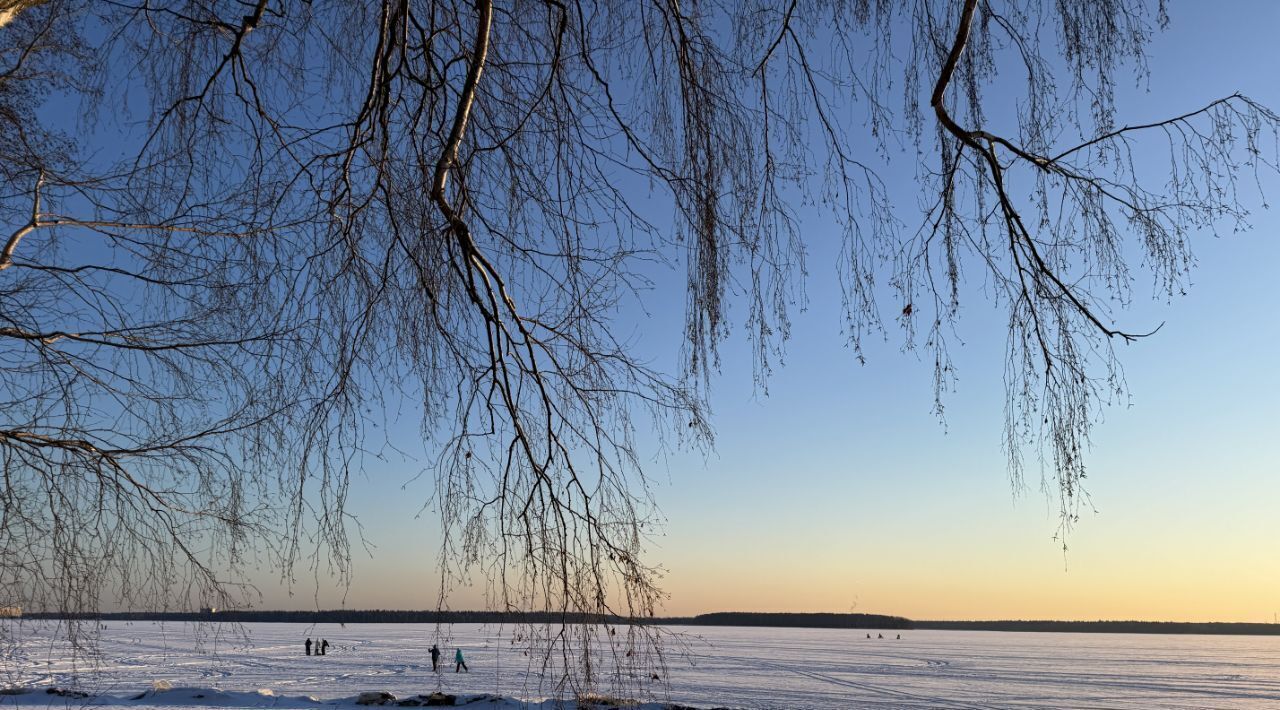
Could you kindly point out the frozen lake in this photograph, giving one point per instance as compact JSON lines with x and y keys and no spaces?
{"x":734,"y":667}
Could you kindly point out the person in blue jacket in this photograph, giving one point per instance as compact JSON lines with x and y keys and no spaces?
{"x":457,"y":657}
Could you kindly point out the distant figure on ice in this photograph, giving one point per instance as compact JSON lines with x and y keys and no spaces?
{"x":879,"y":636}
{"x":308,"y":645}
{"x":899,"y":637}
{"x":435,"y":657}
{"x":457,"y":657}
{"x":324,"y":647}
{"x":868,"y":635}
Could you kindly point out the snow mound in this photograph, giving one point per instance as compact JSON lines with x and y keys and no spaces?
{"x":165,"y":695}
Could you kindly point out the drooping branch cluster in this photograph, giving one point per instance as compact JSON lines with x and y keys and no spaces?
{"x":1061,"y":256}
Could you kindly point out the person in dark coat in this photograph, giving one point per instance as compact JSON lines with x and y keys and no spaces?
{"x":324,"y":647}
{"x":308,"y":645}
{"x":435,"y":657}
{"x":457,"y":657}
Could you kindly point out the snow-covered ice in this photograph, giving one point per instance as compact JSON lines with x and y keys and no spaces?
{"x":208,"y":666}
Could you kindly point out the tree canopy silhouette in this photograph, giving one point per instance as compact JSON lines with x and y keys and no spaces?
{"x":238,"y":231}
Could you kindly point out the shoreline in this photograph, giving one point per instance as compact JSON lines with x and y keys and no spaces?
{"x":866,"y":622}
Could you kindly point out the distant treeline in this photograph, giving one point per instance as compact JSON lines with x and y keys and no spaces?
{"x":822,"y":621}
{"x":389,"y":616}
{"x":340,"y":616}
{"x":1109,"y":627}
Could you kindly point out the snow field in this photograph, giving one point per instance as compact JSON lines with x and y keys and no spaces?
{"x":213,"y":666}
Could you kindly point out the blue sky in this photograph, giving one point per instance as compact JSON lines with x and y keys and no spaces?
{"x":841,"y":491}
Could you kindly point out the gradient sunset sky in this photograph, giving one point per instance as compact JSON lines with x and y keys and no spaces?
{"x":840,"y":491}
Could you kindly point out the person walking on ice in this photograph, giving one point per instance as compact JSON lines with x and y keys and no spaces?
{"x":308,"y":646}
{"x":457,"y":658}
{"x":435,"y":657}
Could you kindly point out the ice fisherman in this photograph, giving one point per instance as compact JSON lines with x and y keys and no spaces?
{"x":324,"y":647}
{"x":435,"y":657}
{"x":457,"y":658}
{"x":308,"y":645}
